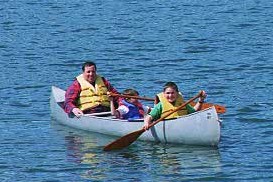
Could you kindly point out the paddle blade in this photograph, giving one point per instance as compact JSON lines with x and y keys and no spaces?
{"x":219,"y":109}
{"x":123,"y":141}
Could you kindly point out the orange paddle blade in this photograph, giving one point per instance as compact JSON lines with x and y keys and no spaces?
{"x":219,"y":109}
{"x":124,"y":141}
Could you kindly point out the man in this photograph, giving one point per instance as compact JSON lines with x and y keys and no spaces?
{"x":88,"y":92}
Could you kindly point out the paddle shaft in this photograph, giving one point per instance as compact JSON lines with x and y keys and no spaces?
{"x":131,"y":96}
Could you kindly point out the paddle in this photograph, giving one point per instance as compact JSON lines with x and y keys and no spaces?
{"x":219,"y":109}
{"x":131,"y":96}
{"x":131,"y":137}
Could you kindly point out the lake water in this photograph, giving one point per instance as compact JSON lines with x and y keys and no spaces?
{"x":223,"y":47}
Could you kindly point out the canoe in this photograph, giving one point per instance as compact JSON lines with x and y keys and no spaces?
{"x":199,"y":128}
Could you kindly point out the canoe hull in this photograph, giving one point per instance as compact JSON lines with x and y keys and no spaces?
{"x":200,"y":128}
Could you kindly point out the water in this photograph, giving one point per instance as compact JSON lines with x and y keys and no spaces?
{"x":223,"y":47}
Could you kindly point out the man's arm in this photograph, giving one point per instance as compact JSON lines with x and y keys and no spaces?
{"x":71,"y":96}
{"x":111,"y":89}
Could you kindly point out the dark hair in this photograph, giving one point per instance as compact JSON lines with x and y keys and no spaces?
{"x":88,"y":64}
{"x":130,"y":91}
{"x":170,"y":84}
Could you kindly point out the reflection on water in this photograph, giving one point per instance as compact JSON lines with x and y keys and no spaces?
{"x":81,"y":150}
{"x":74,"y":144}
{"x":182,"y":162}
{"x":140,"y":159}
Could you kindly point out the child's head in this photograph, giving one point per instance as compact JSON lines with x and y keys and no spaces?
{"x":170,"y":85}
{"x":170,"y":91}
{"x":131,"y":92}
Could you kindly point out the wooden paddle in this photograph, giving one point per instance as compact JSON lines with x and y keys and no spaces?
{"x":131,"y":137}
{"x":131,"y":96}
{"x":219,"y":109}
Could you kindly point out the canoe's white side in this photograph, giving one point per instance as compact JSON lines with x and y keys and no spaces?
{"x":57,"y":94}
{"x":200,"y":128}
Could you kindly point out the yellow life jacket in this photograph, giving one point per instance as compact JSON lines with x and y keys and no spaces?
{"x":92,"y":96}
{"x":168,"y":107}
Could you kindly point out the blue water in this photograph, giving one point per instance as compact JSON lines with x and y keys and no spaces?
{"x":223,"y":47}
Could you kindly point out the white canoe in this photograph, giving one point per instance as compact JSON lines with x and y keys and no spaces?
{"x":199,"y":128}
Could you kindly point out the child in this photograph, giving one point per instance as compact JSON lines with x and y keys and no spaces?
{"x":130,"y":108}
{"x":170,"y":99}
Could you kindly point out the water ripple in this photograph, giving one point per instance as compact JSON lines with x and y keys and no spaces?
{"x":222,"y":47}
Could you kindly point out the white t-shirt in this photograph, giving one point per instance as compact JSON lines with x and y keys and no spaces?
{"x":124,"y":110}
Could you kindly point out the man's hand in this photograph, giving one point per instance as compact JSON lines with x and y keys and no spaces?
{"x":78,"y":113}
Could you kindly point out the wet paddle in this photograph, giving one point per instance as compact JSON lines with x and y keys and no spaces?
{"x":219,"y":109}
{"x":131,"y":137}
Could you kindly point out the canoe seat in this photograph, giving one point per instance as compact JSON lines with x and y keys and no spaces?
{"x":136,"y":120}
